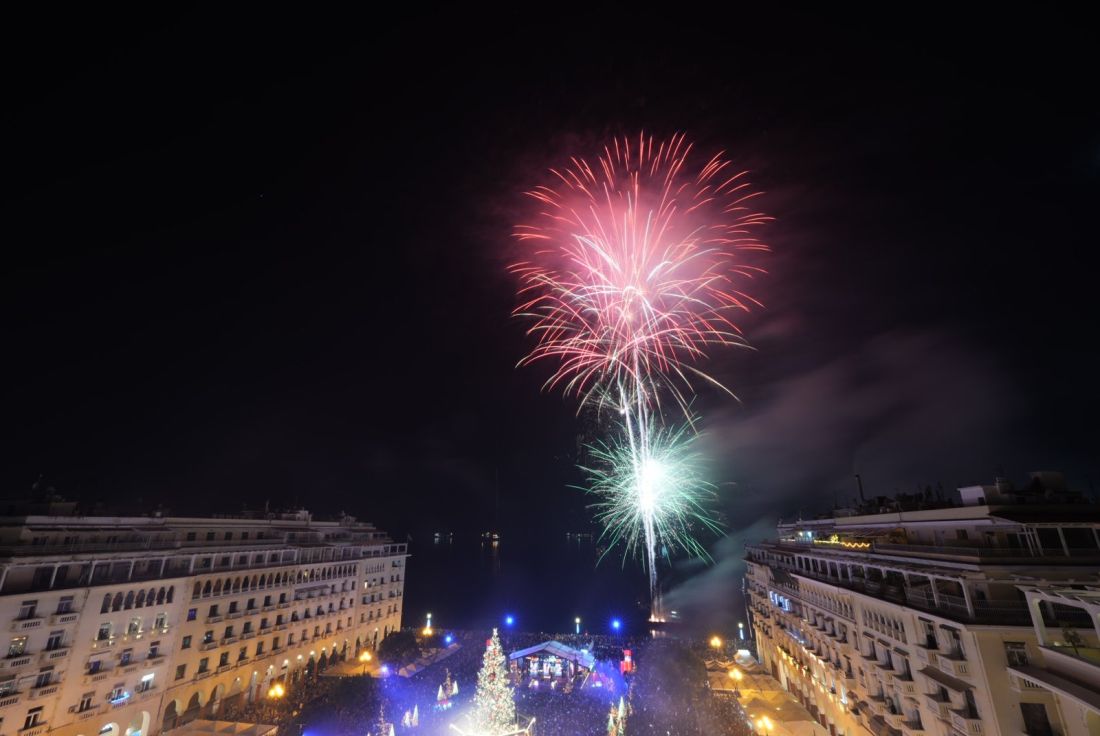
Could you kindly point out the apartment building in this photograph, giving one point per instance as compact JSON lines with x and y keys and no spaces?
{"x":914,"y":616}
{"x":127,"y":626}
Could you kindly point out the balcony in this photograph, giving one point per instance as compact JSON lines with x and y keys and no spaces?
{"x":214,"y":619}
{"x":912,"y":728}
{"x":101,"y":644}
{"x":25,"y":624}
{"x":224,"y":668}
{"x":939,"y":706}
{"x":206,"y":646}
{"x":904,"y":684}
{"x":98,"y":676}
{"x":203,"y":674}
{"x":229,"y":640}
{"x":54,"y":654}
{"x":18,"y":661}
{"x":40,"y":692}
{"x":247,"y":635}
{"x":966,"y":722}
{"x":953,"y":664}
{"x":234,"y":614}
{"x":35,"y":730}
{"x":9,"y":699}
{"x":58,"y":619}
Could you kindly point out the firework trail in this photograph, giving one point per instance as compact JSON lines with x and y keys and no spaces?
{"x":633,"y":272}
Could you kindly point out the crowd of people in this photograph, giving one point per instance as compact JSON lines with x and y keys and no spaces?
{"x":673,"y":691}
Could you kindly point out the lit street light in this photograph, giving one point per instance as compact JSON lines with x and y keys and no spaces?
{"x":577,"y":621}
{"x":765,"y":723}
{"x":364,"y":658}
{"x":277,"y":691}
{"x":716,"y":642}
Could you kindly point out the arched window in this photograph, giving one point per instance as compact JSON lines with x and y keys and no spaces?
{"x":117,"y":605}
{"x":206,"y":589}
{"x":140,"y":602}
{"x":217,"y":587}
{"x":106,"y":603}
{"x":171,"y":590}
{"x":129,"y":600}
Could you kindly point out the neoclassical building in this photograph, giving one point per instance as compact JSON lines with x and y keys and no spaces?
{"x":919,"y":617}
{"x":126,"y":626}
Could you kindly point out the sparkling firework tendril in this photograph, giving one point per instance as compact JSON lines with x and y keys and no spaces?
{"x":663,"y":495}
{"x":635,"y":269}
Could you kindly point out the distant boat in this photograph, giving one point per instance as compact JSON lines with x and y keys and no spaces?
{"x":491,"y":535}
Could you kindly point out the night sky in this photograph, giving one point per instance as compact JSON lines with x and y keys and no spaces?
{"x":270,"y":265}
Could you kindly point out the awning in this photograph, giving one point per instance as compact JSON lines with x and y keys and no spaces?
{"x":557,"y":649}
{"x":1083,"y":695}
{"x":952,"y":683}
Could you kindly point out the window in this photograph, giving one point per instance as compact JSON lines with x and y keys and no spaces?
{"x":85,"y":702}
{"x":233,"y":607}
{"x":7,"y":685}
{"x":135,"y":626}
{"x":228,"y":632}
{"x":224,"y":659}
{"x":18,"y":646}
{"x":244,"y":535}
{"x":251,"y":604}
{"x":146,"y":683}
{"x":34,"y":717}
{"x":44,"y":676}
{"x":65,"y":604}
{"x":242,"y":654}
{"x":190,"y":536}
{"x":213,"y":611}
{"x":125,"y":657}
{"x":186,"y":643}
{"x":27,"y":610}
{"x":192,"y":613}
{"x":181,"y":671}
{"x":228,"y":536}
{"x":210,"y":536}
{"x":118,"y":693}
{"x":154,"y":650}
{"x":1016,"y":654}
{"x":208,"y":637}
{"x":259,"y":648}
{"x":104,"y":632}
{"x":94,"y":666}
{"x":1036,"y":720}
{"x":204,"y":664}
{"x":54,"y":642}
{"x":161,"y":622}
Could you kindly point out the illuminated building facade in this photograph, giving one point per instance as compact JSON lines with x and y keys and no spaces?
{"x":125,"y":626}
{"x":918,"y":617}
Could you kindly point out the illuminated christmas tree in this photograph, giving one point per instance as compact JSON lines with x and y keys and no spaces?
{"x":494,"y":707}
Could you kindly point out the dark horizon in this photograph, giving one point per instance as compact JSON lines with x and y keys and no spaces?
{"x":245,"y":271}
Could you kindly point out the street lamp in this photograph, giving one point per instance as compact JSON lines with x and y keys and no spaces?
{"x":277,"y":691}
{"x":737,"y":675}
{"x":577,"y":621}
{"x":741,"y":630}
{"x":765,"y":723}
{"x":364,"y":658}
{"x":716,"y":642}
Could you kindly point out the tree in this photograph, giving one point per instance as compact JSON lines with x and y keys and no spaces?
{"x":494,"y":707}
{"x":399,"y":648}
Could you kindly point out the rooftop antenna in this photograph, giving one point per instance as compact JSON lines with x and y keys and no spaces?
{"x":859,"y":482}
